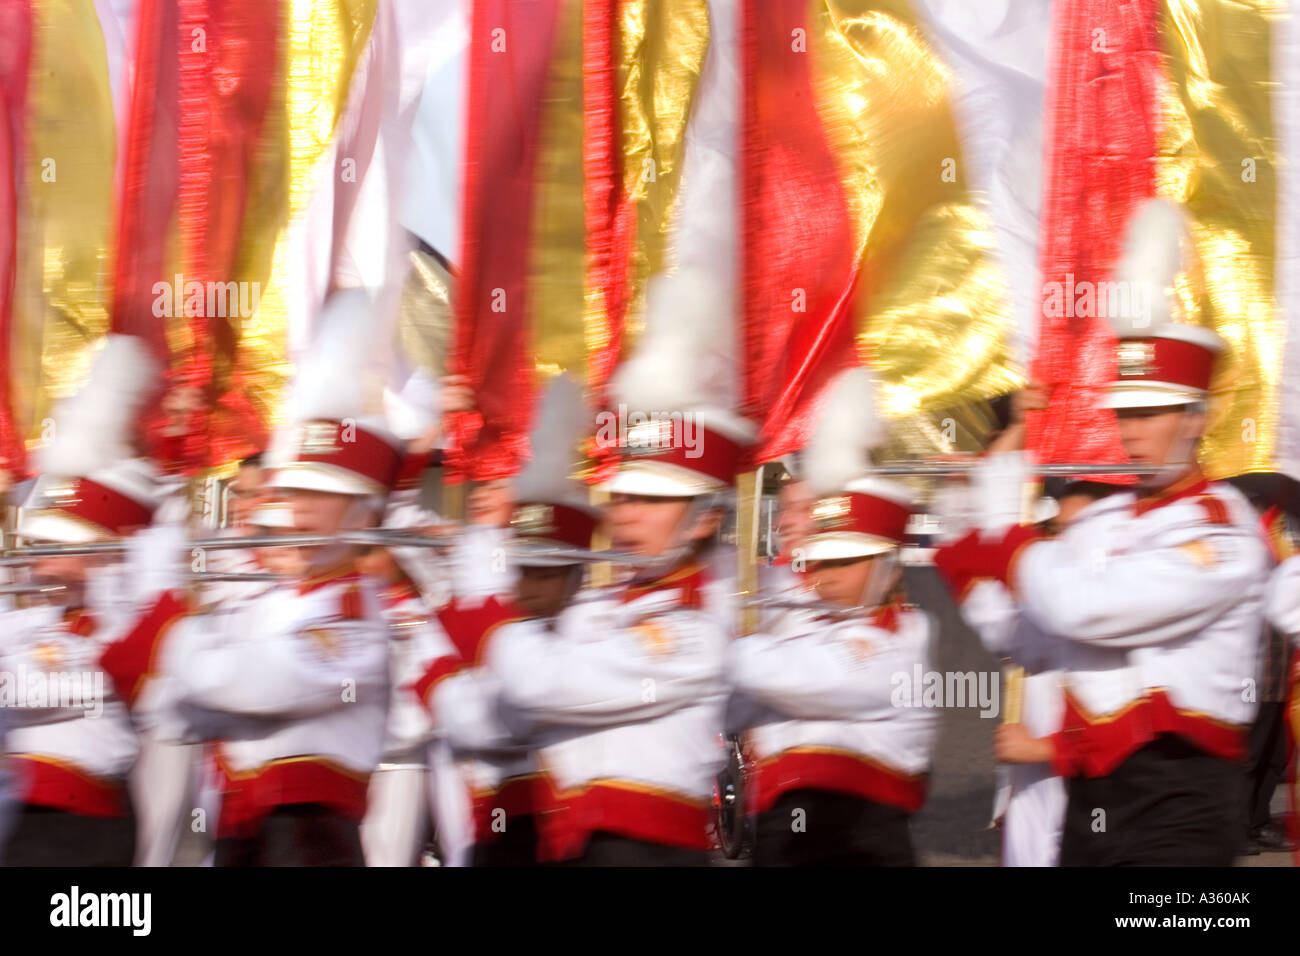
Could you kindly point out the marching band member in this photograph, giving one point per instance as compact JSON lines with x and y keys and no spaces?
{"x":840,"y":765}
{"x":293,"y":685}
{"x":414,"y":583}
{"x":551,"y":513}
{"x":1033,"y":801}
{"x":72,"y":757}
{"x":625,"y":696}
{"x":1158,"y":595}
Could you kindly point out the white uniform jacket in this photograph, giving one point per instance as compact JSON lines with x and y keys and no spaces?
{"x":1160,"y":603}
{"x":70,"y":736}
{"x":294,"y":684}
{"x":625,"y":700}
{"x":832,"y":715}
{"x":414,"y":641}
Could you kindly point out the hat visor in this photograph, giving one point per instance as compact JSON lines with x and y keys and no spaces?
{"x":1149,"y":395}
{"x":660,"y":480}
{"x":315,"y":476}
{"x":53,"y":526}
{"x":838,"y":545}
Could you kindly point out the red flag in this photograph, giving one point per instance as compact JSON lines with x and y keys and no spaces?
{"x":15,"y":56}
{"x":509,"y":53}
{"x":798,"y":325}
{"x":1101,"y":141}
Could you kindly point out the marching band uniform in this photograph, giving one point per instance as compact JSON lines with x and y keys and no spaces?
{"x":550,"y":513}
{"x":71,"y":763}
{"x":833,"y":751}
{"x":294,"y":684}
{"x":840,"y":764}
{"x":1159,"y":601}
{"x":71,"y":767}
{"x":625,"y":694}
{"x":497,"y":761}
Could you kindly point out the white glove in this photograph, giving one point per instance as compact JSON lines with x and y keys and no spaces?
{"x":998,"y":488}
{"x":155,"y":562}
{"x":954,"y":507}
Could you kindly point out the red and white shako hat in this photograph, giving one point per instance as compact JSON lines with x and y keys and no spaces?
{"x":93,"y":486}
{"x":338,"y":437}
{"x":856,"y":514}
{"x":551,"y":508}
{"x":676,"y":434}
{"x":1162,"y":357}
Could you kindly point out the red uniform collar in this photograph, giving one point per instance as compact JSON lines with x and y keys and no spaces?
{"x":337,"y":572}
{"x":80,"y":622}
{"x":886,"y":616}
{"x":687,"y":578}
{"x":1189,"y":486}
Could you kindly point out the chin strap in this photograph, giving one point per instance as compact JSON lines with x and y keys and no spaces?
{"x":884,"y":578}
{"x":1182,"y":454}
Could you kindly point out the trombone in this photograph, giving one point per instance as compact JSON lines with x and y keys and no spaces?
{"x":402,"y":538}
{"x":372,"y":537}
{"x":821,"y":608}
{"x":34,"y":587}
{"x":943,"y":469}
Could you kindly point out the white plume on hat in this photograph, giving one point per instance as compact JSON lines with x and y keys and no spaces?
{"x":563,"y":420}
{"x":94,"y":428}
{"x":687,"y":355}
{"x":1157,"y":246}
{"x":343,"y":372}
{"x":414,"y":409}
{"x":848,"y":426}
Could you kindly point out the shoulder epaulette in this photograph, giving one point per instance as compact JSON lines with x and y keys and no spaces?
{"x":350,"y":604}
{"x":1215,"y":509}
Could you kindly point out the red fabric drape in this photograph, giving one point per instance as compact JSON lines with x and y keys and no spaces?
{"x":148,"y":191}
{"x":15,"y":58}
{"x":205,"y":72}
{"x":799,"y":267}
{"x":610,"y":211}
{"x":509,"y":55}
{"x":1101,"y":128}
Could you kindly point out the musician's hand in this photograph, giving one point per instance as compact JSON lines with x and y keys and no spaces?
{"x":1013,"y":743}
{"x":457,"y":396}
{"x":1031,"y":398}
{"x":490,"y":503}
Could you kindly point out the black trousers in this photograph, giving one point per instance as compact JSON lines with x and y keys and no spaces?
{"x":1266,"y":763}
{"x":44,"y":836}
{"x":610,"y":849}
{"x":1168,"y":804}
{"x":822,"y":828}
{"x":517,"y":846}
{"x":299,"y":834}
